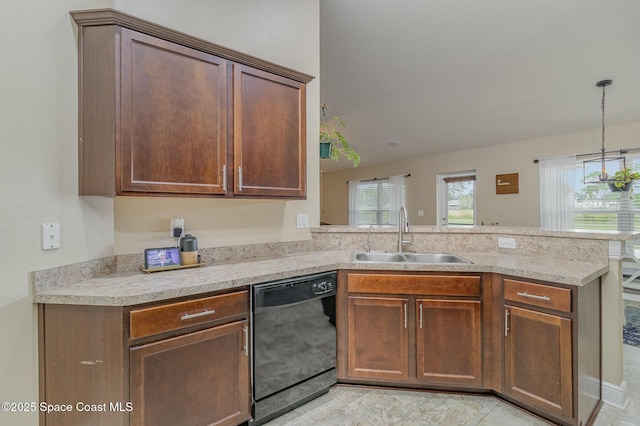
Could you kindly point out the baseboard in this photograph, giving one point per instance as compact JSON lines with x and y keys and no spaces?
{"x":615,"y":395}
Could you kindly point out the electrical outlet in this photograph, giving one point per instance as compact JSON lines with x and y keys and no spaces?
{"x":177,"y":227}
{"x":509,"y":243}
{"x":50,"y":236}
{"x":302,"y":220}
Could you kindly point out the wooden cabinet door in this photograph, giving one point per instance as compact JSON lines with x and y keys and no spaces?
{"x":173,"y":118}
{"x":537,"y":360}
{"x":200,"y":378}
{"x":448,"y":342}
{"x":269,"y":134}
{"x":378,"y":338}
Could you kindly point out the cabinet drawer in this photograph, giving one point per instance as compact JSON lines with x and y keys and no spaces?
{"x":538,"y":295}
{"x":436,"y":285}
{"x":174,"y":316}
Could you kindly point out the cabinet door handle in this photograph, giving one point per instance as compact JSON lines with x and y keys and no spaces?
{"x":224,"y":178}
{"x":199,"y":314}
{"x":239,"y":178}
{"x":506,"y":322}
{"x":421,"y":315}
{"x":405,"y":315}
{"x":533,"y":296}
{"x":246,"y":340}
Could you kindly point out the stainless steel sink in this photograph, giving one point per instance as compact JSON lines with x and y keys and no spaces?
{"x":394,"y":257}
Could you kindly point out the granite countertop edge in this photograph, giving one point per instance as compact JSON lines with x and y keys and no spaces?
{"x":610,"y":235}
{"x":135,"y":288}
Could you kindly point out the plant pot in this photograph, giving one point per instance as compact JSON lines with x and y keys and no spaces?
{"x":325,"y":149}
{"x":626,"y":187}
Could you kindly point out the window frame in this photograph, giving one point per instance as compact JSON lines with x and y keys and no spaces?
{"x":442,"y":206}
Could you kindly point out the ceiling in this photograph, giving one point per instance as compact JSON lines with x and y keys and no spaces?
{"x":446,"y":75}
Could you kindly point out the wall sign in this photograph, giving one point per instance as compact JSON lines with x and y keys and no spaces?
{"x":507,"y":184}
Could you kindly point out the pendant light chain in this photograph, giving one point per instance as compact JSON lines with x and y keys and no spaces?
{"x":604,"y":86}
{"x":604,"y":177}
{"x":618,"y":163}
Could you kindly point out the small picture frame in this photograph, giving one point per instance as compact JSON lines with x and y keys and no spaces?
{"x":163,"y":257}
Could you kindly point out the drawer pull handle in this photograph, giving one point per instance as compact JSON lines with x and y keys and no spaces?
{"x":534,"y":296}
{"x":246,"y":340}
{"x":96,"y":362}
{"x":506,"y":322}
{"x":405,"y":315}
{"x":224,"y":178}
{"x":199,"y":314}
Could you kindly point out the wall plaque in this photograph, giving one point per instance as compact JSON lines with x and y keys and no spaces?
{"x":507,"y":184}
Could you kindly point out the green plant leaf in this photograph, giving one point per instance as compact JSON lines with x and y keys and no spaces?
{"x":340,"y":145}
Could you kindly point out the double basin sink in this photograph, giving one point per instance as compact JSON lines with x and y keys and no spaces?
{"x":405,"y":257}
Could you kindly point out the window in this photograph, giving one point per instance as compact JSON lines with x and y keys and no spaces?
{"x":456,"y":198}
{"x":598,"y":207}
{"x":376,"y":202}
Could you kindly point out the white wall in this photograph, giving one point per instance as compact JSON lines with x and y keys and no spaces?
{"x":38,"y":78}
{"x":520,"y":209}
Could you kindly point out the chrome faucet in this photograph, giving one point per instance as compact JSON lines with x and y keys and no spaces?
{"x":367,"y":247}
{"x":403,"y":227}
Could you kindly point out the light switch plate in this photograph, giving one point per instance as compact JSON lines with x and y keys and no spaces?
{"x":302,"y":220}
{"x":50,"y":236}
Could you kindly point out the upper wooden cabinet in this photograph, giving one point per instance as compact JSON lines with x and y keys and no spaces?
{"x":173,"y":118}
{"x":164,"y":113}
{"x":269,"y":133}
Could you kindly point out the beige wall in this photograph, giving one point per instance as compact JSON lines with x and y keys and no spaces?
{"x":39,"y":170}
{"x":285,"y":32}
{"x":520,"y":209}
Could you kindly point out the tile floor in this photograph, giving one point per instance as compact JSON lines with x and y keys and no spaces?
{"x":346,"y":405}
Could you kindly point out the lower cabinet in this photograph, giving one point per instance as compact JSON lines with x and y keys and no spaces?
{"x":448,"y":342}
{"x":184,"y":363}
{"x":552,"y":349}
{"x":195,"y":379}
{"x":537,"y":360}
{"x":396,"y":334}
{"x":378,"y":338}
{"x":535,"y":344}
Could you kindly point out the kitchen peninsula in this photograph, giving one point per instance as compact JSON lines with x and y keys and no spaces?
{"x":573,"y":265}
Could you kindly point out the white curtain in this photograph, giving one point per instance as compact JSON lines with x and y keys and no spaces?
{"x":557,"y":196}
{"x":396,"y":198}
{"x":353,"y":202}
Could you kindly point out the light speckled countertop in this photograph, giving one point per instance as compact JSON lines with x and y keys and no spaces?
{"x":136,"y":287}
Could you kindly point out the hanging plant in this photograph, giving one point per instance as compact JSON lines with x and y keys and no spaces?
{"x":333,"y":144}
{"x":623,"y":180}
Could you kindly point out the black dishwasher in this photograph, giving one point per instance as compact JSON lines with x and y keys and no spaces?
{"x":294,"y":343}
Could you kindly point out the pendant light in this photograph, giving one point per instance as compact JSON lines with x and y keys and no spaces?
{"x":614,"y":164}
